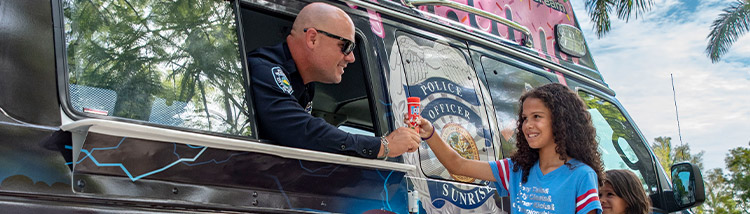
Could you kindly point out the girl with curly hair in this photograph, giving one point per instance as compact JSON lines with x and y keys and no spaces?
{"x":622,"y":193}
{"x":557,"y":167}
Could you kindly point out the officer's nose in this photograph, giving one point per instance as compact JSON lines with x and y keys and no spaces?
{"x":350,"y":57}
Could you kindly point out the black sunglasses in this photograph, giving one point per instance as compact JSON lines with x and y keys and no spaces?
{"x":348,"y":44}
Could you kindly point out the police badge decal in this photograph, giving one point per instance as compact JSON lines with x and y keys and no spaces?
{"x":281,"y":80}
{"x":460,"y":140}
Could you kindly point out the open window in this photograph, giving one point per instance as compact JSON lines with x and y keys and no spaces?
{"x":346,"y":105}
{"x":174,"y":64}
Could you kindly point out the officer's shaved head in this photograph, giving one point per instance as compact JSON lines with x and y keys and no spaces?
{"x":317,"y":53}
{"x":323,"y":16}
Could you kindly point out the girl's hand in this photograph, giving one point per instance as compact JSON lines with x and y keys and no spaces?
{"x":426,"y":130}
{"x":448,"y":156}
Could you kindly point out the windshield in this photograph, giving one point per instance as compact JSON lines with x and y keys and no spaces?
{"x":619,"y":143}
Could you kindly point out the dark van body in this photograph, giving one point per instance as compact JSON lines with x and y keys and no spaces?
{"x":144,"y":106}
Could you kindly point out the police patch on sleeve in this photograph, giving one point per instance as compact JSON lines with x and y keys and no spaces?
{"x":308,"y":109}
{"x":281,"y":80}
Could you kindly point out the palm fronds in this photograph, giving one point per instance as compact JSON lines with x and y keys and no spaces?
{"x":599,"y":11}
{"x":727,"y":28}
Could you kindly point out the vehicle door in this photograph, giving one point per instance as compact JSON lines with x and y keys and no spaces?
{"x":506,"y":78}
{"x":621,"y":143}
{"x":438,"y":69}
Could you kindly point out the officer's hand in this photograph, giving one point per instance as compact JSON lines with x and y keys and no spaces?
{"x":402,"y":140}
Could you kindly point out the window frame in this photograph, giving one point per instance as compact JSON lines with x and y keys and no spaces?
{"x":69,"y":114}
{"x":654,"y":167}
{"x":80,"y":124}
{"x":364,"y":49}
{"x":520,"y":65}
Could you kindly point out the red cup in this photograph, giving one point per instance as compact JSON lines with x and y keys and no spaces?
{"x":414,"y":107}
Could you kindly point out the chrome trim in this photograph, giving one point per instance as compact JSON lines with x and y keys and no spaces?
{"x":527,"y":40}
{"x":24,"y":124}
{"x":123,"y":129}
{"x":482,"y":41}
{"x":48,"y":128}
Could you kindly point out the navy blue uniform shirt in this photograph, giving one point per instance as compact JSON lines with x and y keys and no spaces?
{"x":283,"y":104}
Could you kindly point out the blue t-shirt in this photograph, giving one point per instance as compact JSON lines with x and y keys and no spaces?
{"x":564,"y":190}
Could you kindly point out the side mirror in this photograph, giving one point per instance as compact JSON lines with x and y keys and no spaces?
{"x":687,"y":186}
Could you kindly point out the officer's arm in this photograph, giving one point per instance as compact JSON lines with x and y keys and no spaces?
{"x":283,"y":120}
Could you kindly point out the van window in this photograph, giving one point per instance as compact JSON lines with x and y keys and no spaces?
{"x":442,"y":76}
{"x":171,"y":63}
{"x":507,"y":83}
{"x":347,"y":104}
{"x":619,"y":143}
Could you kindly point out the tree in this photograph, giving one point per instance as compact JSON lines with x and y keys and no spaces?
{"x":599,"y":11}
{"x":738,"y":164}
{"x":668,"y":156}
{"x":728,"y":193}
{"x":682,"y":154}
{"x":727,"y":28}
{"x":662,"y":148}
{"x":719,"y":197}
{"x":152,"y":54}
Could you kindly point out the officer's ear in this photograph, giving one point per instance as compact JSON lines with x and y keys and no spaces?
{"x":310,"y":36}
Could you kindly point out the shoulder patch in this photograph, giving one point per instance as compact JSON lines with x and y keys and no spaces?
{"x":308,"y":108}
{"x":281,"y":80}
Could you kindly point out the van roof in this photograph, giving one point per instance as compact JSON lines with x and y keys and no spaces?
{"x":539,"y":17}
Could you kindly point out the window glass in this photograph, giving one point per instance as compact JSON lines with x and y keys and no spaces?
{"x":507,"y":83}
{"x":347,"y":104}
{"x":442,"y":77}
{"x":620,"y":145}
{"x":174,"y":63}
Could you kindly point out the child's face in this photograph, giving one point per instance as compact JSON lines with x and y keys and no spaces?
{"x":537,"y":125}
{"x":611,"y":203}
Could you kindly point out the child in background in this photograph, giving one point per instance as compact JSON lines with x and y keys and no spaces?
{"x":557,"y":168}
{"x":622,"y":193}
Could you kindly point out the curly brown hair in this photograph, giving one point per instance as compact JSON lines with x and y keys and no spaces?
{"x":628,"y":186}
{"x":572,"y":129}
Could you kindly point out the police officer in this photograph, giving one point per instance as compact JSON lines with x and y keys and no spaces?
{"x":318,"y":49}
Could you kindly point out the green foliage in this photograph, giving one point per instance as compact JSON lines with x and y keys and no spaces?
{"x":668,"y":155}
{"x":672,"y":155}
{"x":662,"y":148}
{"x":727,"y":28}
{"x":738,"y":164}
{"x":682,"y":154}
{"x":719,"y":196}
{"x":615,"y":118}
{"x":182,"y":50}
{"x":728,"y":193}
{"x":599,"y":11}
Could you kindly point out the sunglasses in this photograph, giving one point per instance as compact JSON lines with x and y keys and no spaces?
{"x":348,"y":44}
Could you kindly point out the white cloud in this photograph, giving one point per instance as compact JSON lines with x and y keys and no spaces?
{"x":637,"y":58}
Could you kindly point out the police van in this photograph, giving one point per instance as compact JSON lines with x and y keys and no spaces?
{"x":137,"y":106}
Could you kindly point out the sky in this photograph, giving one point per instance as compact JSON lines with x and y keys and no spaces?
{"x":637,"y":57}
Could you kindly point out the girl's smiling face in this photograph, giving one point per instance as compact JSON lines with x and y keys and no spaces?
{"x":537,"y":124}
{"x":611,"y":203}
